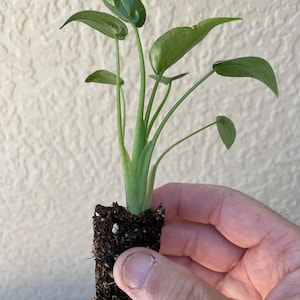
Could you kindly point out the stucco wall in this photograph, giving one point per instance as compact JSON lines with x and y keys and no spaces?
{"x":58,"y":150}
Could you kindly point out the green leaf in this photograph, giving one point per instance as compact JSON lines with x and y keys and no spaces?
{"x":254,"y":67}
{"x":132,"y":11}
{"x":226,"y":130}
{"x":175,"y":43}
{"x":105,"y":23}
{"x":168,"y":80}
{"x":103,"y":76}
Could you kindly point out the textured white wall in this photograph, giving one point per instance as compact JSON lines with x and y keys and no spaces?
{"x":58,"y":152}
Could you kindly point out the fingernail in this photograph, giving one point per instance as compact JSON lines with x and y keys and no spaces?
{"x":137,"y":268}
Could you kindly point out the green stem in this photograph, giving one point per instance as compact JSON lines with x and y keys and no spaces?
{"x":149,"y":108}
{"x":124,"y":114}
{"x":130,"y":183}
{"x":182,"y":140}
{"x":118,"y":97}
{"x":152,"y":174}
{"x":139,"y":137}
{"x":177,"y":104}
{"x":149,"y":127}
{"x":152,"y":143}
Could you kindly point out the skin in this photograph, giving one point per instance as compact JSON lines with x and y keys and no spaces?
{"x":217,"y":243}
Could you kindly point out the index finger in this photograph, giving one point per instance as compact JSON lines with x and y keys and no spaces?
{"x":240,"y":218}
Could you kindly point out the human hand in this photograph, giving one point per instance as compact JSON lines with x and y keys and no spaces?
{"x":217,"y":243}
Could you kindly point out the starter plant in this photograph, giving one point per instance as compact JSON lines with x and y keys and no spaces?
{"x":117,"y":228}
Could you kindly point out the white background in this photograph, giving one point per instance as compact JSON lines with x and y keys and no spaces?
{"x":58,"y":146}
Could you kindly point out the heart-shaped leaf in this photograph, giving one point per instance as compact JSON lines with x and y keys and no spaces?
{"x":105,"y":23}
{"x":103,"y":76}
{"x":254,"y":67}
{"x":175,"y":43}
{"x":132,"y":11}
{"x":226,"y":130}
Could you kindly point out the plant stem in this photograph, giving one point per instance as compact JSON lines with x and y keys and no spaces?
{"x":182,"y":140}
{"x":149,"y":108}
{"x":146,"y":162}
{"x":129,"y":177}
{"x":124,"y":114}
{"x":118,"y":96}
{"x":176,"y":105}
{"x":149,"y":127}
{"x":152,"y":174}
{"x":139,"y":137}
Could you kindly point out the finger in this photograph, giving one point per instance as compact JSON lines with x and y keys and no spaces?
{"x":288,"y":288}
{"x":212,"y":277}
{"x":144,"y":274}
{"x":241,"y":219}
{"x":202,"y":243}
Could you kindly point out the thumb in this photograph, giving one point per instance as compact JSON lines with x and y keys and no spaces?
{"x":144,"y":274}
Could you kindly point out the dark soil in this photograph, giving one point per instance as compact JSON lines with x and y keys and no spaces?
{"x":116,"y":230}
